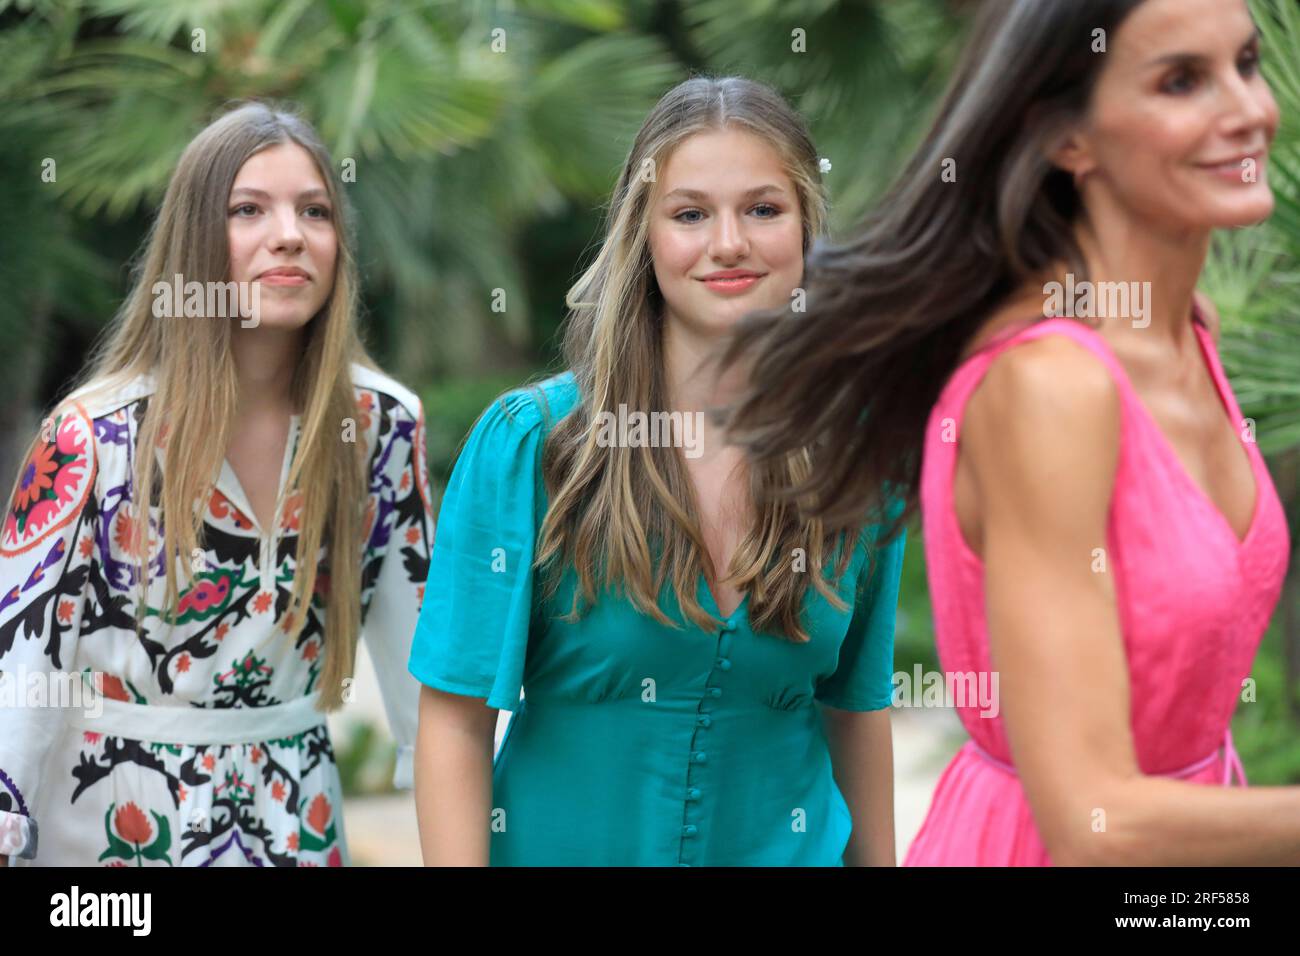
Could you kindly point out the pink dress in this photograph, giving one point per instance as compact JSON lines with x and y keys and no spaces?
{"x":1193,"y":600}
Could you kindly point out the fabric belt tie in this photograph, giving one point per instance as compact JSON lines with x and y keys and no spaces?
{"x":195,"y":726}
{"x":1231,"y":762}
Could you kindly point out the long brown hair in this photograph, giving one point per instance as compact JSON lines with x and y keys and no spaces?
{"x":193,"y":405}
{"x":611,"y":508}
{"x":890,"y":311}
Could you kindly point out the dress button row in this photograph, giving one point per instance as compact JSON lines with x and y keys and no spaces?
{"x":690,"y":830}
{"x":715,"y":691}
{"x":693,"y":793}
{"x":724,"y":664}
{"x":704,"y":720}
{"x":700,"y":756}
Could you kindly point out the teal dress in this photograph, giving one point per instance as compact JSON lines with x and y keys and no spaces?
{"x":637,"y":744}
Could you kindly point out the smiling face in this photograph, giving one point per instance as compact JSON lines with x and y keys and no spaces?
{"x":1181,"y":119}
{"x":280,"y":224}
{"x":726,"y":231}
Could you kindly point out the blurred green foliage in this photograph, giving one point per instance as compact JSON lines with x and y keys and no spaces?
{"x":1264,"y":729}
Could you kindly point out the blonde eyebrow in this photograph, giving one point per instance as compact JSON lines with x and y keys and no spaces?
{"x":696,"y":196}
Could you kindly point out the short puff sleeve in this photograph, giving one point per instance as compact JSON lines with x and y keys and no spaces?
{"x":863,"y":678}
{"x":472,"y":633}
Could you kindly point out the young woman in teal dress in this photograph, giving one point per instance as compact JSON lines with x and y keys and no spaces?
{"x":706,"y":674}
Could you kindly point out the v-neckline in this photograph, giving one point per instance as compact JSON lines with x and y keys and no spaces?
{"x":229,"y":485}
{"x":1226,"y":404}
{"x":713,"y":602}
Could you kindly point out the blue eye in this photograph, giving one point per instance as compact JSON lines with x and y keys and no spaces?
{"x":688,"y":212}
{"x":768,"y":206}
{"x":323,"y":211}
{"x":1178,"y":83}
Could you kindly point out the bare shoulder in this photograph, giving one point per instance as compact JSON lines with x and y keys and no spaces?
{"x":1042,"y":429}
{"x":1210,"y":313}
{"x":1051,"y":375}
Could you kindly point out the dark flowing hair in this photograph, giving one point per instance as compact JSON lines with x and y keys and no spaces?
{"x":890,"y":311}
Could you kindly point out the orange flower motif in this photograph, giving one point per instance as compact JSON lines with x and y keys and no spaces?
{"x":365,"y":403}
{"x":255,"y":755}
{"x":113,"y":688}
{"x":87,"y":546}
{"x":183,"y":663}
{"x":318,"y":815}
{"x":37,"y":476}
{"x":209,"y":762}
{"x":412,"y":535}
{"x":277,"y":794}
{"x":221,"y":630}
{"x":132,"y":825}
{"x":126,"y":532}
{"x":310,"y":650}
{"x":183,"y":792}
{"x":293,"y":842}
{"x":65,"y":611}
{"x":220,"y":507}
{"x":405,"y":482}
{"x":262,"y":602}
{"x":292,"y":512}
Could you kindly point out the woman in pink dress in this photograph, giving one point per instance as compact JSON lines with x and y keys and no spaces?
{"x":1015,"y":340}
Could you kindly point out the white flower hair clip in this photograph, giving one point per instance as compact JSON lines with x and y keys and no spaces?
{"x":824,"y":164}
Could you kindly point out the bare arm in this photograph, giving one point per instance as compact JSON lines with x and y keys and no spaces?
{"x":862,"y":754}
{"x":1042,"y":433}
{"x":453,"y":778}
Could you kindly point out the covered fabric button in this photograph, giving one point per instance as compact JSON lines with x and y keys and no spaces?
{"x":724,"y":664}
{"x":699,"y":756}
{"x":704,"y":720}
{"x":689,"y":830}
{"x":693,"y":793}
{"x":729,"y":626}
{"x":715,"y":691}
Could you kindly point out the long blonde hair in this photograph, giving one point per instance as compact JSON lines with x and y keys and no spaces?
{"x":610,"y":506}
{"x":195,"y":399}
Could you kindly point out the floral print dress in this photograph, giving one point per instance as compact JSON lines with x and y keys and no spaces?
{"x":202,"y":746}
